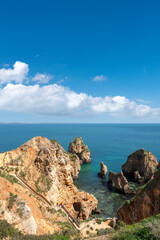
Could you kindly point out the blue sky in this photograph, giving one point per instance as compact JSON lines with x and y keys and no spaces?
{"x":80,"y":61}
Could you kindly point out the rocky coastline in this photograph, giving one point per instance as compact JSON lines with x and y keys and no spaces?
{"x":49,"y":170}
{"x":46,"y":167}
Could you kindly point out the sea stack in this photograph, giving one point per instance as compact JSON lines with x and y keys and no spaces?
{"x":103,"y":171}
{"x":140,"y":164}
{"x":78,"y":147}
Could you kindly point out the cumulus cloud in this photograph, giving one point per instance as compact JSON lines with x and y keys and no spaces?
{"x":42,"y":78}
{"x":17,"y":74}
{"x":59,"y":100}
{"x":99,"y":78}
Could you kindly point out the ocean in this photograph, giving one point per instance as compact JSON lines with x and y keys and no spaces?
{"x":110,"y":143}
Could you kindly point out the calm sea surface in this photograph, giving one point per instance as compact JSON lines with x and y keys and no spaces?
{"x":110,"y":143}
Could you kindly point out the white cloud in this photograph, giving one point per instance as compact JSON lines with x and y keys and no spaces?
{"x":42,"y":78}
{"x":99,"y":78}
{"x":142,"y":100}
{"x":57,"y":100}
{"x":17,"y":74}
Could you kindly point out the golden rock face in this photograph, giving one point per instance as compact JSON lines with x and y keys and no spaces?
{"x":142,"y":162}
{"x":49,"y":169}
{"x":145,"y":203}
{"x":78,"y":147}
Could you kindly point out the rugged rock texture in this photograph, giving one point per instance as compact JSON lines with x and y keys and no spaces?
{"x":142,"y":161}
{"x":138,"y":178}
{"x":48,"y":168}
{"x":22,"y":209}
{"x":75,"y":164}
{"x":120,"y":182}
{"x":77,"y":147}
{"x":103,"y":171}
{"x":158,"y":166}
{"x":17,"y":212}
{"x":145,"y":203}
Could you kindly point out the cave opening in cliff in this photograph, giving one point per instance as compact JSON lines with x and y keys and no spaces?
{"x":77,"y":206}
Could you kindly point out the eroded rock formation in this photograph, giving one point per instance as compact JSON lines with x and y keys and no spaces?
{"x":75,"y":164}
{"x":138,"y":178}
{"x":24,"y":210}
{"x":78,"y":147}
{"x":142,"y":161}
{"x":49,"y":169}
{"x":103,"y":171}
{"x":120,"y":182}
{"x":146,"y":202}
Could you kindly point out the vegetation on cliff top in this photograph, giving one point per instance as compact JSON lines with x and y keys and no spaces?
{"x":8,"y":177}
{"x":9,"y":232}
{"x":147,"y":229}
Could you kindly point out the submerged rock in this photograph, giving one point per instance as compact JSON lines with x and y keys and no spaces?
{"x":78,"y":147}
{"x":103,"y":171}
{"x":142,"y":161}
{"x":146,"y":202}
{"x":120,"y":182}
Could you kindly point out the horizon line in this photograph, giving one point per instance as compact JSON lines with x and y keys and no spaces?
{"x":1,"y":123}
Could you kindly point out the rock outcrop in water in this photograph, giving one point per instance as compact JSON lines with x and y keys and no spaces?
{"x":103,"y":171}
{"x":146,"y":202}
{"x":49,"y":169}
{"x":140,"y":164}
{"x":120,"y":182}
{"x":78,"y":147}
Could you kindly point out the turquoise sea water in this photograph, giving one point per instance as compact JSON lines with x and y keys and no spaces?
{"x":110,"y":143}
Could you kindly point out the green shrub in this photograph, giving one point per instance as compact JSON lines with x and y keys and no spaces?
{"x":72,"y":157}
{"x":99,"y":221}
{"x":7,"y":229}
{"x":62,"y":213}
{"x":8,"y":177}
{"x":12,"y":199}
{"x":23,"y":174}
{"x":147,"y":229}
{"x":87,"y":232}
{"x":54,"y":141}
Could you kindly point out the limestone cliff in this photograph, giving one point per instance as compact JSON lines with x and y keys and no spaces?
{"x":78,"y":147}
{"x":75,"y":165}
{"x":24,"y":210}
{"x":145,"y":203}
{"x":49,"y":169}
{"x":141,"y":163}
